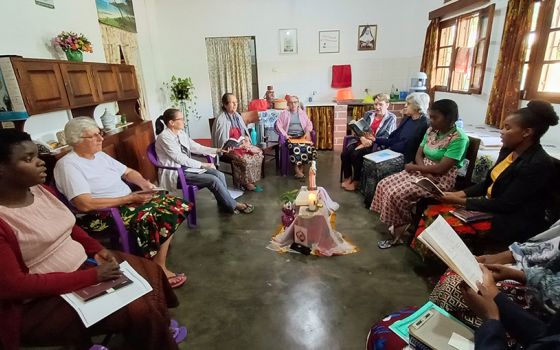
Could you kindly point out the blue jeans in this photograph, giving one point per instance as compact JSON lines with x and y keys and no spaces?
{"x":215,"y":181}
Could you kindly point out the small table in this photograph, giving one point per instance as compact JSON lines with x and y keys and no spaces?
{"x":267,"y":149}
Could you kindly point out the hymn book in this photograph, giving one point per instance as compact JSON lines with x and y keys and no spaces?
{"x":429,"y":186}
{"x":441,"y":239}
{"x":359,"y":127}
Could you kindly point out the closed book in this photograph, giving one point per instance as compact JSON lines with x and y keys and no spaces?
{"x":102,"y":288}
{"x":470,"y":216}
{"x":435,"y":331}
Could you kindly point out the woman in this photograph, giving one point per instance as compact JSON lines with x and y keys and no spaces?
{"x":407,"y":137}
{"x":294,"y":124}
{"x":247,"y":159}
{"x":91,"y":180}
{"x":516,"y":189}
{"x":43,"y":255}
{"x":382,"y":124}
{"x":174,"y":147}
{"x":441,"y":153}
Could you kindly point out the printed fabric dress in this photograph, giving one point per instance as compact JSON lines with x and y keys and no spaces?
{"x":150,"y":223}
{"x":395,"y":195}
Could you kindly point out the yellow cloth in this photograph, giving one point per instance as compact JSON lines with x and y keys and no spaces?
{"x":498,"y":169}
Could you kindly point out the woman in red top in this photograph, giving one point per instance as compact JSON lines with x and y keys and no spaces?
{"x":43,"y":254}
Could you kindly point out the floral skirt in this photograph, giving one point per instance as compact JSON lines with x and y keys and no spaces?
{"x":301,"y":153}
{"x":467,"y":232}
{"x":151,"y":223}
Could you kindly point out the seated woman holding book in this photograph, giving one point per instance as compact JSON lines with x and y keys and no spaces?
{"x":407,"y":136}
{"x":295,"y":126}
{"x":441,"y":153}
{"x":246,"y":160}
{"x":381,"y":124}
{"x":43,"y":254}
{"x":516,"y":189}
{"x":174,"y":147}
{"x":90,"y":179}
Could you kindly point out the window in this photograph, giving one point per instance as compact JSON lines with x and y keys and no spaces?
{"x":541,"y":72}
{"x":461,"y":52}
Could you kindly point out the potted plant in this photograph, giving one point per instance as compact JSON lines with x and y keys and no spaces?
{"x":182,"y":95}
{"x":288,"y":207}
{"x":73,"y":45}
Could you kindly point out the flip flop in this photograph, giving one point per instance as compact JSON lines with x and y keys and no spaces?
{"x":258,"y":189}
{"x":173,"y":324}
{"x":388,"y":243}
{"x":177,"y":280}
{"x":179,"y":334}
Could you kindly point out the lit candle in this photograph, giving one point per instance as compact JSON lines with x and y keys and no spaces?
{"x":312,"y":201}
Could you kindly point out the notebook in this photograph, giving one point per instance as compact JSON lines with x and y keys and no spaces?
{"x":470,"y":216}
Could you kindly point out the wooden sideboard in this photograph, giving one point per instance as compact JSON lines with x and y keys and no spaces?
{"x":54,"y":85}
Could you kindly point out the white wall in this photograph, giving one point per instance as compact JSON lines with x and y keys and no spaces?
{"x":473,"y":108}
{"x":182,"y":26}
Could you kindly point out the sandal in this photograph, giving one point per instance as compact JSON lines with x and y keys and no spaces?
{"x":247,"y":210}
{"x":179,"y":334}
{"x":177,"y":281}
{"x":301,"y":176}
{"x":388,"y":243}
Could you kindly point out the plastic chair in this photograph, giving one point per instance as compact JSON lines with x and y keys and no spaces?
{"x":127,"y":244}
{"x":189,"y":191}
{"x":285,"y":152}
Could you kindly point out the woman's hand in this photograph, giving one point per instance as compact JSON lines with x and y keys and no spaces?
{"x":307,"y":136}
{"x":207,"y":166}
{"x":459,"y":198}
{"x":505,"y":257}
{"x":482,"y":303}
{"x":104,"y":256}
{"x":108,"y":271}
{"x":139,"y":198}
{"x":501,"y":272}
{"x":410,"y":167}
{"x":365,"y":142}
{"x":147,"y":185}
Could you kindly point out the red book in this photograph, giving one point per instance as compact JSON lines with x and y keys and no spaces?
{"x":102,"y":288}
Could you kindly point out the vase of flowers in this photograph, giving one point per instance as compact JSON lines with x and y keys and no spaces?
{"x":181,"y":94}
{"x":73,"y":45}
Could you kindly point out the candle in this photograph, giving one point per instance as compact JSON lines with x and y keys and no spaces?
{"x":312,"y":201}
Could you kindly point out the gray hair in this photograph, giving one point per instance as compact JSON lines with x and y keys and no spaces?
{"x":74,"y":128}
{"x":419,"y":101}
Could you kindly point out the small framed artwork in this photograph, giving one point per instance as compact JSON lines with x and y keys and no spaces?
{"x":329,"y":41}
{"x":367,"y":37}
{"x":288,"y":41}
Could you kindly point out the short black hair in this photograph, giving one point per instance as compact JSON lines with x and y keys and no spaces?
{"x":8,"y":139}
{"x":448,"y":108}
{"x":538,"y":115}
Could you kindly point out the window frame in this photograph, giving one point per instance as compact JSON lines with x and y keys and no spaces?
{"x":538,"y":51}
{"x":487,"y":12}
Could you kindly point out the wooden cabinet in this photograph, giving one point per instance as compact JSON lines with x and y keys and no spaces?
{"x":107,"y":81}
{"x":80,"y":84}
{"x":41,"y":85}
{"x":127,"y":80}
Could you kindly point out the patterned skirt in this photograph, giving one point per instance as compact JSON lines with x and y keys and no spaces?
{"x":381,"y":337}
{"x":152,"y":223}
{"x":301,"y":153}
{"x":467,"y":232}
{"x":396,"y":194}
{"x":247,"y":166}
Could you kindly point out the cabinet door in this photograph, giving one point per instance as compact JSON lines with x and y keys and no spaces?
{"x":107,"y":81}
{"x":127,"y":80}
{"x":41,"y":86}
{"x":80,"y":86}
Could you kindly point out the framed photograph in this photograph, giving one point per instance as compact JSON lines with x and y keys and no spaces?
{"x":329,"y":41}
{"x":288,"y":41}
{"x":367,"y":37}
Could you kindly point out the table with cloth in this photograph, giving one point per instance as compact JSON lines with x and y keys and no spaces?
{"x":314,"y":229}
{"x":377,"y":166}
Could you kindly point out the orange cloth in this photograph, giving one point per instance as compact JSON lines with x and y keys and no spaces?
{"x":341,"y":76}
{"x":462,"y":59}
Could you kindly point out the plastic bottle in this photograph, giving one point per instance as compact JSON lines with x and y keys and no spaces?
{"x":459,"y":123}
{"x":253,"y":134}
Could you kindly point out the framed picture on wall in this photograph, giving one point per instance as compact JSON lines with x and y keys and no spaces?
{"x":288,"y":41}
{"x":329,"y":41}
{"x":367,"y":37}
{"x":45,"y":3}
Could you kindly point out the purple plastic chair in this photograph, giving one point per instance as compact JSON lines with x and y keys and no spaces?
{"x":285,"y":152}
{"x":189,"y":191}
{"x":127,"y":245}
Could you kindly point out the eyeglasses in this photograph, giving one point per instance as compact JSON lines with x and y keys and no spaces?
{"x":99,"y":134}
{"x":293,"y":102}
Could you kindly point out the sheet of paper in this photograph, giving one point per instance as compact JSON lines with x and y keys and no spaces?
{"x":460,"y":343}
{"x":382,"y":156}
{"x":235,"y":193}
{"x":93,"y":311}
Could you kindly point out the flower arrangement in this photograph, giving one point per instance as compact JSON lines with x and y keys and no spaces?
{"x":70,"y":41}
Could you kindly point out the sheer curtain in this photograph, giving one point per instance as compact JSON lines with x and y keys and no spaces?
{"x":116,"y":40}
{"x":229,"y":67}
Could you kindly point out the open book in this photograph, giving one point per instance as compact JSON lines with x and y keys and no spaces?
{"x":233,"y":143}
{"x":429,"y":186}
{"x":440,"y":238}
{"x":468,"y":216}
{"x":359,"y":127}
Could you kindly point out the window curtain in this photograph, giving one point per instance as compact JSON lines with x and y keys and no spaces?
{"x":229,"y":67}
{"x":115,"y":40}
{"x":429,"y":56}
{"x":504,"y":96}
{"x":323,"y":123}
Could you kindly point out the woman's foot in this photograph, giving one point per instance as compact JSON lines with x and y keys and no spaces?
{"x":353,"y":186}
{"x":250,"y":187}
{"x":346,"y":182}
{"x":298,"y":169}
{"x":175,"y":279}
{"x":244,"y":208}
{"x":389,"y":243}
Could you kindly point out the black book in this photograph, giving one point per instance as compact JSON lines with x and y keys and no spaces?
{"x":359,"y":127}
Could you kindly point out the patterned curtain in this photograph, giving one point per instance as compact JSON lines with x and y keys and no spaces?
{"x":323,"y":123}
{"x":358,"y":111}
{"x":115,"y":40}
{"x":229,"y":67}
{"x":429,"y":56}
{"x":504,"y":96}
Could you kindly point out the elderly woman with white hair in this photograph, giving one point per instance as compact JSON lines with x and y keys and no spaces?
{"x":90,"y":179}
{"x":407,"y":137}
